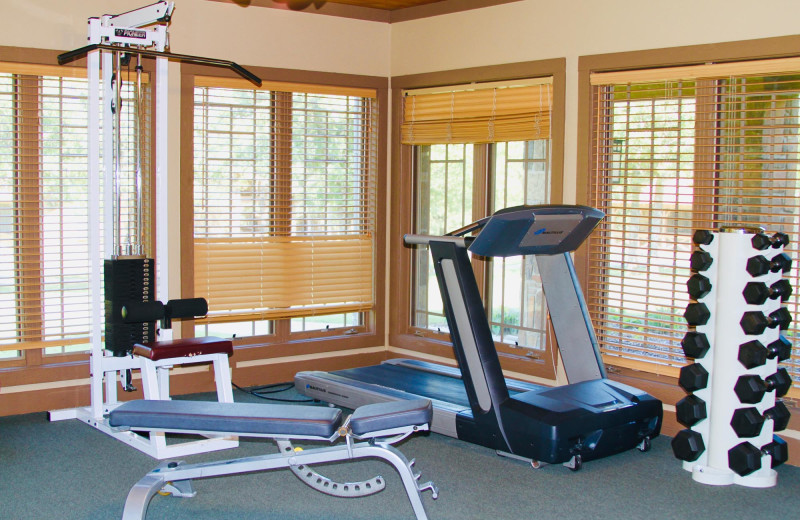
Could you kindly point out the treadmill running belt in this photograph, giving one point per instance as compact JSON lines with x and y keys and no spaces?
{"x":424,"y":384}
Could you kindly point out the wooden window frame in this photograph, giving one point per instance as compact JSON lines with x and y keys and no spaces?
{"x":404,"y":339}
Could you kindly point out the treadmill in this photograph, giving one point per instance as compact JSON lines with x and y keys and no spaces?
{"x":589,"y":418}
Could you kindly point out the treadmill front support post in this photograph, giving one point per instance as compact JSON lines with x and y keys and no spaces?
{"x":577,"y":344}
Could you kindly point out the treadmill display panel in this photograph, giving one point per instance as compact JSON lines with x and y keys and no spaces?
{"x":536,"y":230}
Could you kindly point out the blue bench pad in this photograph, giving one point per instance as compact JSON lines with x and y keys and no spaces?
{"x":393,"y":414}
{"x":243,"y":418}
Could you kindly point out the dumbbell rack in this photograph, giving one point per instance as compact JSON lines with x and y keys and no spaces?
{"x":732,"y":410}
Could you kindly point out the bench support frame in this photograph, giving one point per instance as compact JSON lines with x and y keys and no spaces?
{"x":175,"y":478}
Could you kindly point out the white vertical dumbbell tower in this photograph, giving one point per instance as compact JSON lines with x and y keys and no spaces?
{"x":711,"y":435}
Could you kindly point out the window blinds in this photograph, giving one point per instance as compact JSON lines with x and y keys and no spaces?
{"x":478,"y":113}
{"x":676,"y":150}
{"x":44,"y":257}
{"x":284,"y":198}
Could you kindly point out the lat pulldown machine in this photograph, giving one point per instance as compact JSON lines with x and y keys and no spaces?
{"x":127,"y":294}
{"x":132,"y":312}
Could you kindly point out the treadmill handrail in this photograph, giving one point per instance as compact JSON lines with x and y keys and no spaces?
{"x":423,"y":240}
{"x":469,"y":228}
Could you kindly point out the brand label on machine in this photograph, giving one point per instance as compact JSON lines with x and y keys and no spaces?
{"x":130,"y":33}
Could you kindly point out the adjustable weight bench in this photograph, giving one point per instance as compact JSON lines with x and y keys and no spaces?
{"x":379,"y":425}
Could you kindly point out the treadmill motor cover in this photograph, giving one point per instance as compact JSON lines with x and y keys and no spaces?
{"x":593,"y":419}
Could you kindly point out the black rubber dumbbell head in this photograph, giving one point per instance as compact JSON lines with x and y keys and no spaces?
{"x":750,"y":389}
{"x":761,"y":241}
{"x":702,"y":237}
{"x":780,"y":382}
{"x":781,"y":262}
{"x":693,"y":377}
{"x":780,"y":348}
{"x":757,"y":266}
{"x":698,"y":286}
{"x":780,"y":318}
{"x":754,"y":323}
{"x":701,"y":260}
{"x":697,"y":314}
{"x":781,"y":289}
{"x":690,"y":410}
{"x":688,"y":445}
{"x":752,"y":354}
{"x":747,"y":422}
{"x":744,"y":459}
{"x":778,"y":450}
{"x":779,"y":240}
{"x":695,"y":344}
{"x":755,"y":293}
{"x":780,"y":416}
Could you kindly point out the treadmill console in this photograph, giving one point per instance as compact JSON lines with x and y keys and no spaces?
{"x":535,"y":230}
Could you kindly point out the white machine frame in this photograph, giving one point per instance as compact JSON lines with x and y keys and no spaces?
{"x":143,"y":28}
{"x":175,"y":478}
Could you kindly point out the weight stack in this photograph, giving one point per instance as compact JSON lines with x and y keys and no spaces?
{"x":734,"y":384}
{"x":127,"y":280}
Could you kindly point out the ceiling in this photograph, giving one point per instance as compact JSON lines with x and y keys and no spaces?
{"x":387,"y":5}
{"x":374,"y":10}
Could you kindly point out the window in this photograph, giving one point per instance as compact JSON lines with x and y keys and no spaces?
{"x":479,"y":148}
{"x":445,"y":198}
{"x":44,"y":294}
{"x":284,"y":206}
{"x":674,"y":150}
{"x":44,"y":254}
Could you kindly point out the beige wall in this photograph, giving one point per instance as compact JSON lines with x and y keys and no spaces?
{"x":543,"y":29}
{"x":252,"y":36}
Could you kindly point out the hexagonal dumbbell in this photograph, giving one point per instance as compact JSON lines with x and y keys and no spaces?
{"x":780,"y":348}
{"x":702,"y":237}
{"x":688,"y":445}
{"x":780,"y":240}
{"x":759,"y":265}
{"x":695,"y":344}
{"x":754,"y":323}
{"x":690,"y":410}
{"x":702,"y":260}
{"x":698,"y":286}
{"x":745,"y":458}
{"x":756,"y":293}
{"x":697,"y":313}
{"x":753,"y":354}
{"x":750,"y":389}
{"x":693,"y":377}
{"x":761,"y":241}
{"x":747,"y":422}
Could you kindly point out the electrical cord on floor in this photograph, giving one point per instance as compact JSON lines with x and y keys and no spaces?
{"x":264,"y":390}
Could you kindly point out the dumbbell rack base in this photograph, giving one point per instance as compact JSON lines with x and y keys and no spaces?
{"x":723,"y":477}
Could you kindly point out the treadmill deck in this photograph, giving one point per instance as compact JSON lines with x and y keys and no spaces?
{"x":409,"y":379}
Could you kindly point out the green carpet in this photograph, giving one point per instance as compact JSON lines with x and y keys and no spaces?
{"x":68,"y":470}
